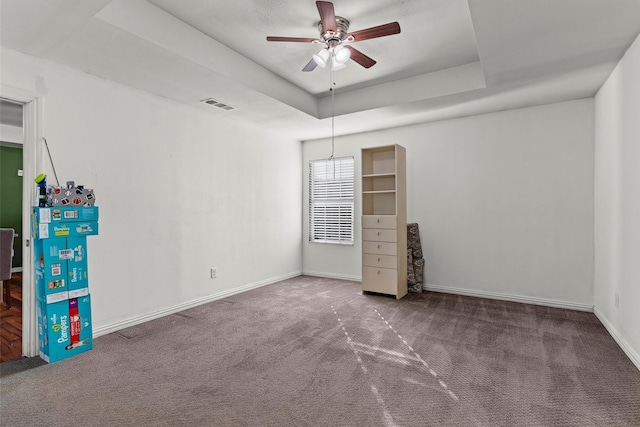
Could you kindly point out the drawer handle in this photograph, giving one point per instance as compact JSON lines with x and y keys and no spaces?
{"x":378,"y":271}
{"x":378,"y":220}
{"x":378,"y":259}
{"x":378,"y":246}
{"x":378,"y":233}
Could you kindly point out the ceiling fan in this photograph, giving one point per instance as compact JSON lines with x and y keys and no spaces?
{"x":335,"y":36}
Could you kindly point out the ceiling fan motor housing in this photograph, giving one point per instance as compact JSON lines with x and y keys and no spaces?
{"x":332,"y":39}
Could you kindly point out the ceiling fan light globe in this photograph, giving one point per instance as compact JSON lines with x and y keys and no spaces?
{"x":337,"y":65}
{"x":341,"y":54}
{"x":321,"y":57}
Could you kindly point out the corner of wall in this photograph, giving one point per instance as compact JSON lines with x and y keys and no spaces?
{"x":624,"y":345}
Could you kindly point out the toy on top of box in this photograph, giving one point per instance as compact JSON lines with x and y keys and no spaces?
{"x":70,"y":195}
{"x":64,"y":328}
{"x":65,"y":214}
{"x":51,"y":269}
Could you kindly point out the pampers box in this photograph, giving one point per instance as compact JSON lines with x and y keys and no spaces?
{"x":61,"y":221}
{"x":77,"y":275}
{"x":65,"y":229}
{"x":51,"y":269}
{"x":64,"y":328}
{"x":47,"y":215}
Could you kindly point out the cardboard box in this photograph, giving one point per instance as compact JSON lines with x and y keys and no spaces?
{"x":41,"y":310}
{"x":60,"y":250}
{"x":65,"y":214}
{"x":64,"y":328}
{"x":77,"y":274}
{"x":51,"y":257}
{"x":65,"y":229}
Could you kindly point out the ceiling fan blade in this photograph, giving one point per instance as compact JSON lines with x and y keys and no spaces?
{"x":327,"y":15}
{"x":374,"y":32}
{"x":310,"y":66}
{"x":291,"y":39}
{"x":360,"y":57}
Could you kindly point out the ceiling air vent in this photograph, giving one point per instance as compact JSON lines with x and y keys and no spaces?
{"x":218,"y":104}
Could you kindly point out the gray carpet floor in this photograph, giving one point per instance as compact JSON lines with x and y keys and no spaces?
{"x":317,"y":352}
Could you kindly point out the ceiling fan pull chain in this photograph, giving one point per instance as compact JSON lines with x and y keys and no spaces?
{"x":332,"y":83}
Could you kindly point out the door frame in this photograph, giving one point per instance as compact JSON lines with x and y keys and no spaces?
{"x":32,"y":162}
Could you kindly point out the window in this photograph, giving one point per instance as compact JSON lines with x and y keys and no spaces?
{"x":331,"y":205}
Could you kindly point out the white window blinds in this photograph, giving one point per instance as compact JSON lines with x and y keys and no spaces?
{"x":331,"y":204}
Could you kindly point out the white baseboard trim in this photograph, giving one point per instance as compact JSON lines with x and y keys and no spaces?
{"x":624,"y":345}
{"x":510,"y":297}
{"x":332,"y":276}
{"x":113,"y":327}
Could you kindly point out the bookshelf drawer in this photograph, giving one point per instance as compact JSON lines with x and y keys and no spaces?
{"x":379,"y":221}
{"x":384,"y":261}
{"x":380,"y":248}
{"x":382,"y":280}
{"x":379,"y":235}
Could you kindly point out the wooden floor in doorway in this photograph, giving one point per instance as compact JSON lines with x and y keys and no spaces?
{"x":11,"y":322}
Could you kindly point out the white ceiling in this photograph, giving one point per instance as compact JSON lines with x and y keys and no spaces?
{"x":452,"y":58}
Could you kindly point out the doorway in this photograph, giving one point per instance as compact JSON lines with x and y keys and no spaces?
{"x":11,"y":216}
{"x":32,"y":161}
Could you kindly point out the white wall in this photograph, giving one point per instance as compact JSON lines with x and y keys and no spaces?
{"x":617,"y":203}
{"x":504,"y":203}
{"x":180,"y":190}
{"x":11,"y":134}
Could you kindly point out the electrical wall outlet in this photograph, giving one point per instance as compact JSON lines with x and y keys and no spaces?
{"x":214,"y":272}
